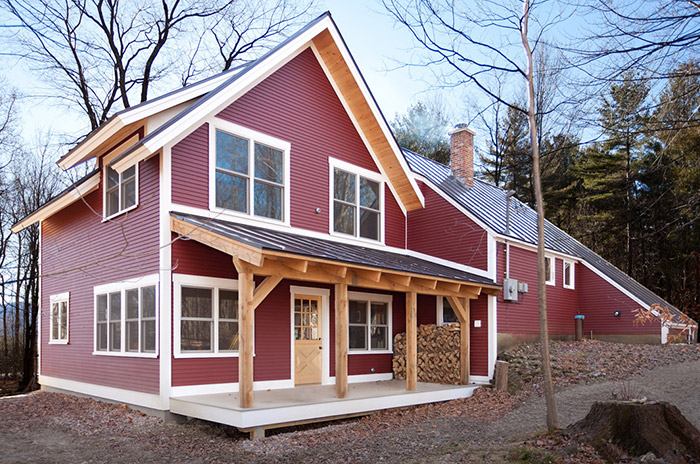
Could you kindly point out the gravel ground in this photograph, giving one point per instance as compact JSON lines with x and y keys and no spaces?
{"x":489,"y":427}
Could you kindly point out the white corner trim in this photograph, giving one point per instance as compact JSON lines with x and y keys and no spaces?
{"x":492,"y":317}
{"x":165,"y":276}
{"x":120,"y":395}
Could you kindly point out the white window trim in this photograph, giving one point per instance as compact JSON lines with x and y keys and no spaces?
{"x":367,"y":174}
{"x":58,"y":299}
{"x":215,"y":283}
{"x":439,"y":304}
{"x":572,"y":267}
{"x":253,"y":136}
{"x":105,"y":162}
{"x":129,"y":284}
{"x":552,"y":277}
{"x":377,"y":298}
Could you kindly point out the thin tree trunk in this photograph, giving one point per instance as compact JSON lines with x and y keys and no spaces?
{"x":552,"y":420}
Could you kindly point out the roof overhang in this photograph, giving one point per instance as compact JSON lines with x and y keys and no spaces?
{"x":68,"y":197}
{"x":325,"y":37}
{"x":290,"y":265}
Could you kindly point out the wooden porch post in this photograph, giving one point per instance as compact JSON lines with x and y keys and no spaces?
{"x":464,"y":344}
{"x":341,"y":340}
{"x":411,"y":342}
{"x":246,"y":330}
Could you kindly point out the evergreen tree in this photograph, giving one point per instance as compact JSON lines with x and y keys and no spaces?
{"x":423,"y":130}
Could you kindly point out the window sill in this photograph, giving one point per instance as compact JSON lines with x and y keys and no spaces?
{"x":58,"y":342}
{"x":355,"y":238}
{"x":122,"y":354}
{"x":252,"y":217}
{"x":569,"y":287}
{"x":551,"y":284}
{"x":351,"y":352}
{"x":119,"y":213}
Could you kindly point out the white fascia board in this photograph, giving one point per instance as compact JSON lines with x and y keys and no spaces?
{"x":225,"y":97}
{"x":83,"y":151}
{"x":398,"y":152}
{"x":529,"y":246}
{"x":68,"y":198}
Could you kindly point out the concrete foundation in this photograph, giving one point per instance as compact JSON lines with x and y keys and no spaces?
{"x":506,"y":341}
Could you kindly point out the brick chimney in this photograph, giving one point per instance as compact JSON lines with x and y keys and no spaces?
{"x":462,"y":154}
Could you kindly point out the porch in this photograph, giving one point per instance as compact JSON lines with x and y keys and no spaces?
{"x":294,"y":406}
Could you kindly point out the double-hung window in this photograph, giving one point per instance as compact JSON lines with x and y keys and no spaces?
{"x":207,"y":320}
{"x":568,"y":274}
{"x":369,"y":321}
{"x":59,"y":319}
{"x":549,"y":270}
{"x":120,"y":190}
{"x":250,"y":173}
{"x":357,"y":201}
{"x":125,"y":317}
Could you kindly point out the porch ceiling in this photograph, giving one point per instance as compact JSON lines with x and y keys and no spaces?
{"x":285,"y":255}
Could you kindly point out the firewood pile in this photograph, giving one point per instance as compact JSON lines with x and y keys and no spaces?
{"x":438,"y":354}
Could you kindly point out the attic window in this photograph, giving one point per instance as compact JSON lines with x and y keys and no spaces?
{"x":120,"y":190}
{"x":250,"y":173}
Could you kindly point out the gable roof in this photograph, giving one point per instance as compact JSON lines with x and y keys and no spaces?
{"x":323,"y":35}
{"x":488,"y":204}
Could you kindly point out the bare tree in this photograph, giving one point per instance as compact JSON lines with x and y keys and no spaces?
{"x":474,"y":47}
{"x":104,"y":55}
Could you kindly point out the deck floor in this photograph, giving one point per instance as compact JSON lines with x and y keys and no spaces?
{"x":318,"y":402}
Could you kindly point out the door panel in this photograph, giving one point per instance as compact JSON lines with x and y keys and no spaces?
{"x":307,"y":340}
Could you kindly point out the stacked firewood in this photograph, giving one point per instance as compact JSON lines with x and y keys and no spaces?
{"x":438,"y":354}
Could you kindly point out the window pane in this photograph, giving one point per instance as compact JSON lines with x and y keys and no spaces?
{"x":231,"y":192}
{"x":268,"y":200}
{"x":128,"y":194}
{"x":379,"y":314}
{"x":102,"y":337}
{"x":54,"y":321}
{"x":369,"y":224}
{"x":567,"y":274}
{"x":343,"y":218}
{"x":196,"y":302}
{"x":112,"y":178}
{"x":102,"y":307}
{"x":231,"y":153}
{"x":228,"y":304}
{"x":115,"y":306}
{"x":148,"y":302}
{"x":369,"y":193}
{"x":269,"y":164}
{"x":448,"y":314}
{"x":148,"y":336}
{"x":378,"y":338}
{"x":132,"y":303}
{"x":343,"y":186}
{"x":115,"y":336}
{"x":196,"y":336}
{"x":112,"y":202}
{"x":548,"y":268}
{"x":228,"y":336}
{"x":358,"y":312}
{"x":358,"y":337}
{"x":64,"y":320}
{"x":132,"y":336}
{"x":129,"y":173}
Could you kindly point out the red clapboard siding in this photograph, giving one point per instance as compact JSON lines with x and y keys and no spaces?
{"x":441,"y":230}
{"x":479,"y":337}
{"x":427,"y":310}
{"x":599,"y":300}
{"x":299,"y":105}
{"x":194,"y":258}
{"x":190,"y":169}
{"x":76,"y":238}
{"x":522,"y":317}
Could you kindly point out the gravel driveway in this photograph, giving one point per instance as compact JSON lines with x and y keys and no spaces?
{"x":51,"y":428}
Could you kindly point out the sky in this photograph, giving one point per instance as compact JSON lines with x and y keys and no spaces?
{"x":375,"y":42}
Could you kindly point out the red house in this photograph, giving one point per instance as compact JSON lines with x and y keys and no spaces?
{"x":246,"y":242}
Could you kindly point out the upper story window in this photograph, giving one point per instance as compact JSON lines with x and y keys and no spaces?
{"x":125,"y":317}
{"x":357,"y":203}
{"x":120,"y":189}
{"x":549,"y":270}
{"x":568,"y":274}
{"x":369,"y":322}
{"x":251,"y":173}
{"x":59,"y":319}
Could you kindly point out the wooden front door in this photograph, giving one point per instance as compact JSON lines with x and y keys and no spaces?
{"x":307,"y":340}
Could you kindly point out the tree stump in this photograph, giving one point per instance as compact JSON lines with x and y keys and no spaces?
{"x":615,"y":428}
{"x":501,"y":376}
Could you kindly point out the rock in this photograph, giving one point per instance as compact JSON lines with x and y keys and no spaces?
{"x":616,"y":428}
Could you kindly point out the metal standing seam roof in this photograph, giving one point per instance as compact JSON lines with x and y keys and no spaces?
{"x":488,"y":203}
{"x":271,"y":240}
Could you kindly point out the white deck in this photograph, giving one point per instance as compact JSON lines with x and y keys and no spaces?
{"x":277,"y":407}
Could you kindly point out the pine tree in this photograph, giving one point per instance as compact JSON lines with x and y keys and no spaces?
{"x":423,"y":130}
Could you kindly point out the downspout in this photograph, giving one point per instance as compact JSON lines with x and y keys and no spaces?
{"x":509,"y":194}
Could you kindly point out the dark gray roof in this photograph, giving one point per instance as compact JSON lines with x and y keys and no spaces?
{"x":488,"y":203}
{"x":271,"y":240}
